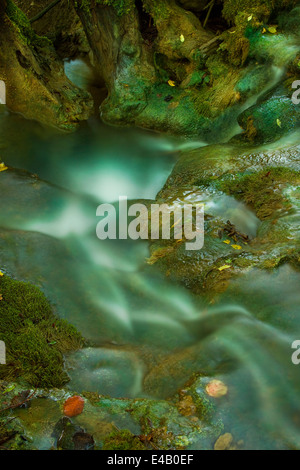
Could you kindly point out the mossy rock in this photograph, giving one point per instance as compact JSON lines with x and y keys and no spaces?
{"x":122,"y":440}
{"x":271,"y":118}
{"x":23,"y":26}
{"x":35,"y":339}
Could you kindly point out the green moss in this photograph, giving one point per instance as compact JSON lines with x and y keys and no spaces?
{"x":122,"y":440}
{"x":234,"y":9}
{"x":122,"y":7}
{"x":262,"y":191}
{"x":35,"y":339}
{"x":21,"y":22}
{"x":158,"y":9}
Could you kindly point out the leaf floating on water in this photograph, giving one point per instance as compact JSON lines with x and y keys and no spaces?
{"x":182,"y":39}
{"x":227,"y":242}
{"x":272,"y":29}
{"x":73,"y":406}
{"x":236,"y":247}
{"x":222,"y":268}
{"x":171,"y":83}
{"x":278,"y":123}
{"x":216,"y":389}
{"x":3,"y":167}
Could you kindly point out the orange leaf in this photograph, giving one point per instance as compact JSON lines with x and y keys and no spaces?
{"x":73,"y":406}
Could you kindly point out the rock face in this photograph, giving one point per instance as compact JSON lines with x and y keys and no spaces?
{"x":165,"y":71}
{"x":35,"y":81}
{"x":250,"y":197}
{"x":61,"y":25}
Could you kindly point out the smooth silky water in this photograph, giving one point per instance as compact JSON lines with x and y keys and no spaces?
{"x":140,"y":325}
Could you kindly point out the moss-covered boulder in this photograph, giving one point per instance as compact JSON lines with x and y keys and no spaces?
{"x":250,"y":199}
{"x":272,"y":117}
{"x":35,"y":339}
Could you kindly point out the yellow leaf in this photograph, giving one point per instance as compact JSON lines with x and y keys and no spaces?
{"x":3,"y":167}
{"x":224,"y":267}
{"x":250,"y":18}
{"x":278,"y":123}
{"x":272,"y":29}
{"x":264,"y":31}
{"x":236,"y":247}
{"x":227,"y":242}
{"x":182,"y":39}
{"x":1,"y":274}
{"x":171,"y":83}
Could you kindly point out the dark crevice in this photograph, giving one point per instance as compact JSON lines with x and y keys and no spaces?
{"x":216,"y":23}
{"x":147,"y":28}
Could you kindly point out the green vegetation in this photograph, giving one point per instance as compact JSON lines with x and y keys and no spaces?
{"x":35,"y":339}
{"x":123,"y":440}
{"x":122,"y":7}
{"x":260,"y":190}
{"x":159,"y":9}
{"x":21,"y":22}
{"x":234,"y":10}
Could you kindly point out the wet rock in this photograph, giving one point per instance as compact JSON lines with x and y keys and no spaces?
{"x":186,"y":406}
{"x":274,"y":116}
{"x":36,"y":85}
{"x":70,"y":436}
{"x":61,"y":25}
{"x":264,"y":181}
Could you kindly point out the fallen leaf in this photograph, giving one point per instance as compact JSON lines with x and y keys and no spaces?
{"x":1,"y":274}
{"x":264,"y":31}
{"x":250,"y":18}
{"x":1,"y":297}
{"x":278,"y":123}
{"x":182,"y":39}
{"x":224,"y":442}
{"x":216,"y":389}
{"x":3,"y":167}
{"x":224,"y":267}
{"x":9,"y":389}
{"x":236,"y":247}
{"x":227,"y":242}
{"x":73,"y":406}
{"x":272,"y":29}
{"x":171,"y":83}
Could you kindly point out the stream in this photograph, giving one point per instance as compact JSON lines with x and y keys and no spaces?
{"x":142,"y":327}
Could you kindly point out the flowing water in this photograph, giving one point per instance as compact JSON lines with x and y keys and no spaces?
{"x":142,"y":327}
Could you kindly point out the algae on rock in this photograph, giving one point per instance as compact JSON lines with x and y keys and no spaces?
{"x":35,"y":339}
